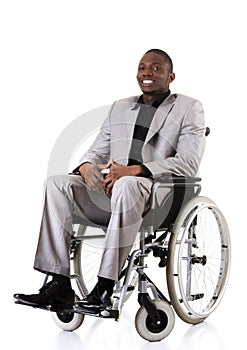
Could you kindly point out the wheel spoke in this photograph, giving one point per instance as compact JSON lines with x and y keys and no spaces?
{"x":199,"y":267}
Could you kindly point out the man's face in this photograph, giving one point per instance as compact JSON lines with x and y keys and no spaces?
{"x":153,"y":74}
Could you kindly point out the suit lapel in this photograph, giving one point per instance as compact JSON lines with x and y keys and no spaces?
{"x":160,"y":116}
{"x":130,"y":116}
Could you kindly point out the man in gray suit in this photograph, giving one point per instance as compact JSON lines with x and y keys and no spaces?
{"x":142,"y":138}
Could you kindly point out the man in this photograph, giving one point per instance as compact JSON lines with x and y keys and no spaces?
{"x":142,"y":138}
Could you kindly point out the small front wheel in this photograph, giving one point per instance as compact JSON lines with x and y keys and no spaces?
{"x":68,"y":321}
{"x":151,"y":331}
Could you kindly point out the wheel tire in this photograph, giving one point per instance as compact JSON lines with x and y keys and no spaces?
{"x":177,"y":290}
{"x":87,"y":257}
{"x":68,"y":321}
{"x":147,"y":329}
{"x":86,"y":264}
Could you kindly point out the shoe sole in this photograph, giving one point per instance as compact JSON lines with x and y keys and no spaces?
{"x":54,"y":305}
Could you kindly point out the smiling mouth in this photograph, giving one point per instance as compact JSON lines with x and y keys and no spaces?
{"x":147,"y":81}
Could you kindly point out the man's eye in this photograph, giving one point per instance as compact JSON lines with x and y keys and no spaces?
{"x":156,"y":68}
{"x":141,"y":68}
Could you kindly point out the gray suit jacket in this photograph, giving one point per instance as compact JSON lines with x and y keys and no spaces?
{"x":174,"y":144}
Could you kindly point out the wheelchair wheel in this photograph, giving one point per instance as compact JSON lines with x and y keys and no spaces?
{"x":155,"y":332}
{"x":68,"y":321}
{"x":199,"y":260}
{"x":87,"y":258}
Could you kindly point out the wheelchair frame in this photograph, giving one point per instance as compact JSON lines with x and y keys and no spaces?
{"x":175,"y":247}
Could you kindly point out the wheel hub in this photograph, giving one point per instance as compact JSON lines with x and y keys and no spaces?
{"x":159,"y":325}
{"x":199,"y":259}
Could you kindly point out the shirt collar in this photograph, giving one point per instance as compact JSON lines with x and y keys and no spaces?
{"x":156,"y":103}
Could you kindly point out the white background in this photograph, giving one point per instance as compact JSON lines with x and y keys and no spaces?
{"x":60,"y":59}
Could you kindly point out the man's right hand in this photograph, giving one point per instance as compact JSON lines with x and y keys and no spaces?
{"x":91,"y":173}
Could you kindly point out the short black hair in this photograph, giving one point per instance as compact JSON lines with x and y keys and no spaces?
{"x":165,"y":55}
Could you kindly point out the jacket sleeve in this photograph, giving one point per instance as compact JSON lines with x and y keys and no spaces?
{"x":189,"y":149}
{"x":99,"y":151}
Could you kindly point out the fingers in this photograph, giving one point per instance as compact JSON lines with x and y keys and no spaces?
{"x":108,"y":184}
{"x":98,"y":179}
{"x":111,"y":178}
{"x":109,"y":164}
{"x":96,"y":185}
{"x":94,"y":178}
{"x":115,"y":164}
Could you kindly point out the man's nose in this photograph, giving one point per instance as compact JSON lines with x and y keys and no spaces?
{"x":147,"y":72}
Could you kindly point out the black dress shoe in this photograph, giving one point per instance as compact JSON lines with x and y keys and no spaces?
{"x":97,"y":299}
{"x":51,"y":294}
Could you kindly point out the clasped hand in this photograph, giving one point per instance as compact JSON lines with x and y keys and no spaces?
{"x":97,"y":182}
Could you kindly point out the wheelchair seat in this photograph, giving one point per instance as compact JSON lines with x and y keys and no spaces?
{"x":182,"y":189}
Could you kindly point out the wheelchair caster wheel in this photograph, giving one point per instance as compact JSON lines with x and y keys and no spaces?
{"x":68,"y":321}
{"x":150,"y":331}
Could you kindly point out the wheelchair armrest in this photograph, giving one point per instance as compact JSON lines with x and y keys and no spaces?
{"x":180,"y":186}
{"x":177,"y":179}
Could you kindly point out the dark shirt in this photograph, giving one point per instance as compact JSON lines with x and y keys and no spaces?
{"x":143,"y":122}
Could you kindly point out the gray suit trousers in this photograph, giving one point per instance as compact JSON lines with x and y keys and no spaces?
{"x":68,"y":200}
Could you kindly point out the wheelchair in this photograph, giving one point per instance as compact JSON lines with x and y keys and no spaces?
{"x":186,"y":237}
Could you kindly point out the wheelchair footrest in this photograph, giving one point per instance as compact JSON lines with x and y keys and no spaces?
{"x":97,"y":312}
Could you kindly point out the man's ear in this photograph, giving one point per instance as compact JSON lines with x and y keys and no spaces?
{"x":171,"y":77}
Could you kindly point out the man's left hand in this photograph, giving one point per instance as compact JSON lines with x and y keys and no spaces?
{"x":117,"y":171}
